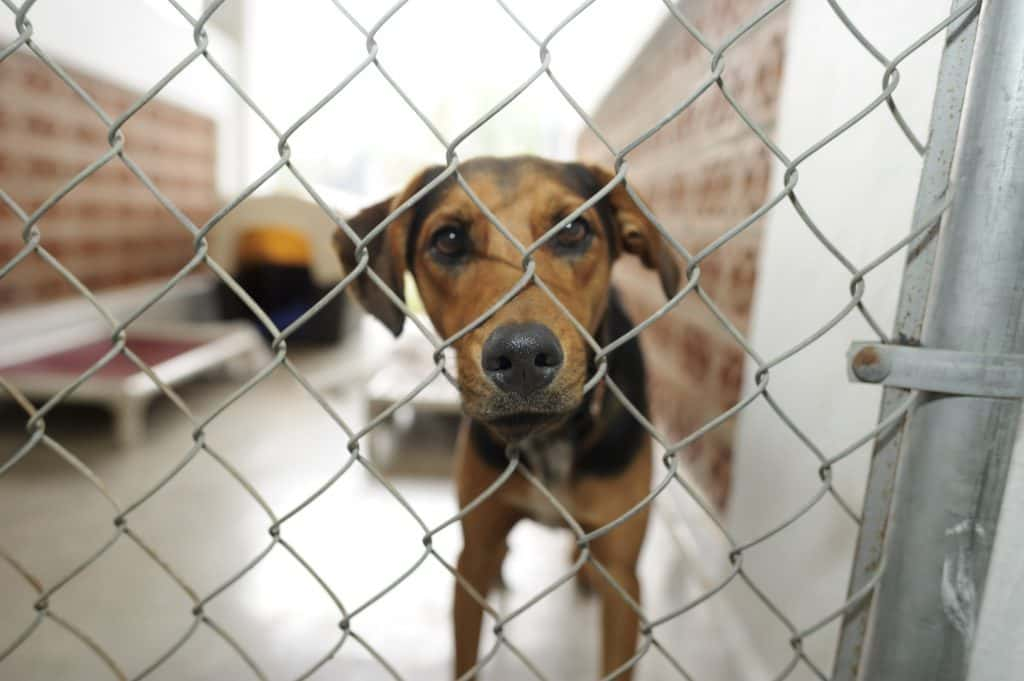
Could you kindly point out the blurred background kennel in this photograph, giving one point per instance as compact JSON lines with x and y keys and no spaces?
{"x":799,"y":74}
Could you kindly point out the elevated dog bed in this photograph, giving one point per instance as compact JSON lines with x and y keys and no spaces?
{"x":175,"y":351}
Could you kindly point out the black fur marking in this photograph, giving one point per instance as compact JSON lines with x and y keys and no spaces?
{"x":500,"y":168}
{"x":619,"y":436}
{"x":605,"y":447}
{"x":578,"y":177}
{"x":575,"y":176}
{"x":487,"y":446}
{"x":422,"y":208}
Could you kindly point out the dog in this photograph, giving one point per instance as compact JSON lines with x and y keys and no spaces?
{"x":521,"y":373}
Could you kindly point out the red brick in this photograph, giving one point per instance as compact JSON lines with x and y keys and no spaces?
{"x":40,"y":125}
{"x":65,"y":208}
{"x":38,"y":81}
{"x":9,"y":249}
{"x":741,"y":308}
{"x":90,"y":210}
{"x":696,"y":354}
{"x":130,"y":231}
{"x":122,"y":175}
{"x":699,"y":199}
{"x":85,"y":133}
{"x":743,"y":272}
{"x":50,"y":289}
{"x":730,"y":374}
{"x":710,"y":272}
{"x":91,"y":247}
{"x":43,"y":167}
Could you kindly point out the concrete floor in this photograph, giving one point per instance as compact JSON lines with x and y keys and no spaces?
{"x":206,"y":527}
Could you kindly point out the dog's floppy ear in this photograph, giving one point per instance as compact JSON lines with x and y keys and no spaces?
{"x":386,"y":251}
{"x":637,"y":235}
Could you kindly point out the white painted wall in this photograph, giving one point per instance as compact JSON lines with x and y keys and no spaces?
{"x":134,"y":43}
{"x":454,"y":58}
{"x":860,"y":190}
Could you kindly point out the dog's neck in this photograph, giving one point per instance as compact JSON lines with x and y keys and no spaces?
{"x":600,"y":437}
{"x":549,"y":456}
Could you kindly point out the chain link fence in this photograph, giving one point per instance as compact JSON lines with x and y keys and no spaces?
{"x":653,"y":616}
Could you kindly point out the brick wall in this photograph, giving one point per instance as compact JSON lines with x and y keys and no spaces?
{"x":109,"y":231}
{"x":702,"y":174}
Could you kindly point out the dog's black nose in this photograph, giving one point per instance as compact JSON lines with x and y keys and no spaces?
{"x":522,"y":358}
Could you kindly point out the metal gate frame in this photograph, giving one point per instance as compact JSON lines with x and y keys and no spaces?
{"x":927,"y":555}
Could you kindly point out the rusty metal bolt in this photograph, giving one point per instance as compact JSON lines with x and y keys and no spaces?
{"x":871,"y":364}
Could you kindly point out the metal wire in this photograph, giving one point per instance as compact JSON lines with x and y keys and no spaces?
{"x":349,"y":613}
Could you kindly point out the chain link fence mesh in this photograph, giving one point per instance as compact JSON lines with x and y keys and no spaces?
{"x":652,"y":616}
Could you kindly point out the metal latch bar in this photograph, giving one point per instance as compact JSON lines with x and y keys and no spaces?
{"x":941,"y":371}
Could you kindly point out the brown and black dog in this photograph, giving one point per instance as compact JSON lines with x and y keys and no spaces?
{"x":521,"y":373}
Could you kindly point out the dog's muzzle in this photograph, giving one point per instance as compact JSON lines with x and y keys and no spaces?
{"x":522,"y":358}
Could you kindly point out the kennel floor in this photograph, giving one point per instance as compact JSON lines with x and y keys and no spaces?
{"x":356,"y":535}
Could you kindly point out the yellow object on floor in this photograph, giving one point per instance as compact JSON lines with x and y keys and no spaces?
{"x":274,"y":244}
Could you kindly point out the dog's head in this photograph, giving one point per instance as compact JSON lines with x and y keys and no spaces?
{"x":524,"y":368}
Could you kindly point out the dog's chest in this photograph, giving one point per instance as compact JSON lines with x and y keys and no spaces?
{"x":551,"y":462}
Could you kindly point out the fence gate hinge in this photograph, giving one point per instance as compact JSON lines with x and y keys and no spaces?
{"x":941,"y":371}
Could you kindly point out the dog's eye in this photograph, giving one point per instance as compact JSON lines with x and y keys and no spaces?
{"x":574,"y":235}
{"x":450,"y":242}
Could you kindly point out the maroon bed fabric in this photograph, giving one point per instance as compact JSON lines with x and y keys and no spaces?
{"x":76,"y":360}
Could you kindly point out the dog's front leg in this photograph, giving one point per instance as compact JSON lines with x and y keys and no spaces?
{"x":619,"y":621}
{"x":484,"y":531}
{"x":618,"y":552}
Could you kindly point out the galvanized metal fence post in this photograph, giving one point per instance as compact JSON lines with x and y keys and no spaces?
{"x":957,"y":444}
{"x":933,"y":189}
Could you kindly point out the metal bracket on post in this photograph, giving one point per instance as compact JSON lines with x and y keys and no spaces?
{"x":941,"y":371}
